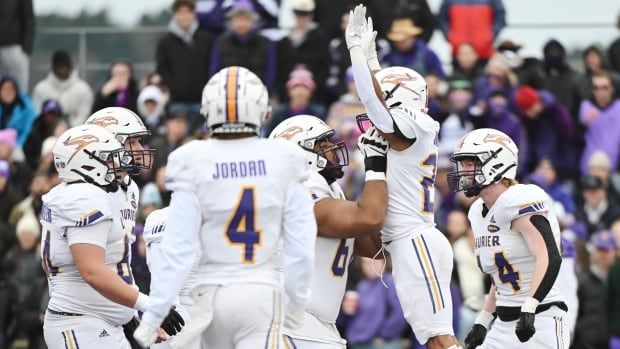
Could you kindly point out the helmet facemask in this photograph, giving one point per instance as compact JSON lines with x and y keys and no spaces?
{"x":331,"y":157}
{"x":467,"y":181}
{"x":142,"y":159}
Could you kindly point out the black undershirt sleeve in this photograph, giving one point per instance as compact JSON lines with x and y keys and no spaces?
{"x":555,"y":259}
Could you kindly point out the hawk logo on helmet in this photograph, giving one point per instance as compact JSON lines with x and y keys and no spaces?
{"x":499,"y":139}
{"x":80,"y":143}
{"x":397,"y":79}
{"x":290,"y":132}
{"x":105,"y":121}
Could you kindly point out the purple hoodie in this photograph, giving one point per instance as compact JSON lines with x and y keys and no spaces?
{"x":601,"y":134}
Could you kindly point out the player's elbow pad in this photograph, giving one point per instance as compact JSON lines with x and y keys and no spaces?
{"x":553,"y":253}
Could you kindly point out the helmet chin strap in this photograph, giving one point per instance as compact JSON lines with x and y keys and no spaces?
{"x":475,"y":189}
{"x":88,"y":179}
{"x":331,"y":173}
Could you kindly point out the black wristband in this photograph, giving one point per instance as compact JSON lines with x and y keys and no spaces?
{"x":375,"y":163}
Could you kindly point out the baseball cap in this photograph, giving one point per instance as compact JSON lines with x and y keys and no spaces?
{"x":592,"y":182}
{"x":301,"y":76}
{"x":604,"y":240}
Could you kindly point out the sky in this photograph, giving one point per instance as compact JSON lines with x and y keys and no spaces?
{"x":575,"y":14}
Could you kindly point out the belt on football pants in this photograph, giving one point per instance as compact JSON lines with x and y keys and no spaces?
{"x":508,"y":314}
{"x":62,"y":313}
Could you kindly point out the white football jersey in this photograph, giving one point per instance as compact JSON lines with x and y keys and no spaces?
{"x":410,"y":180}
{"x":329,"y":277}
{"x":242,"y":187}
{"x":154,"y":229}
{"x":503,"y":253}
{"x":82,"y":205}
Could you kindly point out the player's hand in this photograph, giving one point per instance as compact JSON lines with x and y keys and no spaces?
{"x":173,"y":323}
{"x":131,"y":326}
{"x":145,"y":335}
{"x":374,"y":148}
{"x":525,"y":326}
{"x":356,"y":26}
{"x":475,"y":337}
{"x":368,"y":41}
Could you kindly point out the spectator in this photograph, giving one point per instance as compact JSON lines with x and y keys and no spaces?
{"x":378,"y":320}
{"x":590,"y":331}
{"x":177,"y":133}
{"x":64,"y":85}
{"x":19,"y":174}
{"x":560,"y":79}
{"x":16,"y":110}
{"x":151,"y":105}
{"x":384,"y":12}
{"x":545,"y":176}
{"x":466,"y":64}
{"x":599,"y":166}
{"x":183,"y":57}
{"x":31,"y":205}
{"x":9,"y":197}
{"x":613,"y":52}
{"x":243,"y":46}
{"x":411,"y":52}
{"x":8,"y":313}
{"x":120,"y":90}
{"x":477,"y":22}
{"x":24,"y":264}
{"x":150,"y":200}
{"x":43,"y":127}
{"x":597,"y":211}
{"x":594,"y":62}
{"x":568,"y":283}
{"x":601,"y":119}
{"x":211,"y":16}
{"x":499,"y":116}
{"x":305,"y":44}
{"x":550,"y":134}
{"x":527,"y":69}
{"x":457,"y":121}
{"x":498,"y":76}
{"x":300,"y":88}
{"x":16,"y":38}
{"x":328,"y":15}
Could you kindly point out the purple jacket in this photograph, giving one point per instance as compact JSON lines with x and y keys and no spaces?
{"x":601,"y":134}
{"x":551,"y":136}
{"x":378,"y":313}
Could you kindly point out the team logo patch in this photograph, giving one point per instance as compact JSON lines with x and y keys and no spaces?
{"x":290,"y":132}
{"x":80,"y":143}
{"x":492,"y":228}
{"x":104,"y":333}
{"x":105,"y":121}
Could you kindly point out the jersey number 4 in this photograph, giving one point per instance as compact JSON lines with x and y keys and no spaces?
{"x":506,"y":273}
{"x":242,"y":224}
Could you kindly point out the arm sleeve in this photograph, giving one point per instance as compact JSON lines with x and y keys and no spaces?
{"x":177,"y":253}
{"x":96,"y":234}
{"x":299,"y":232}
{"x":377,"y":112}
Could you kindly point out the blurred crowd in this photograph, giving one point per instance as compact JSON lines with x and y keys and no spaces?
{"x":566,"y":122}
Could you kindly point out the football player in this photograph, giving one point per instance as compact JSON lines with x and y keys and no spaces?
{"x":395,"y":100}
{"x":235,"y":197}
{"x":517,"y":239}
{"x":154,"y":230}
{"x":344,"y":227}
{"x":87,"y":220}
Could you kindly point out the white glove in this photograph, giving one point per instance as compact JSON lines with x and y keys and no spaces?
{"x":145,"y":335}
{"x":356,"y":26}
{"x":371,"y":144}
{"x":368,"y":41}
{"x":294,"y":317}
